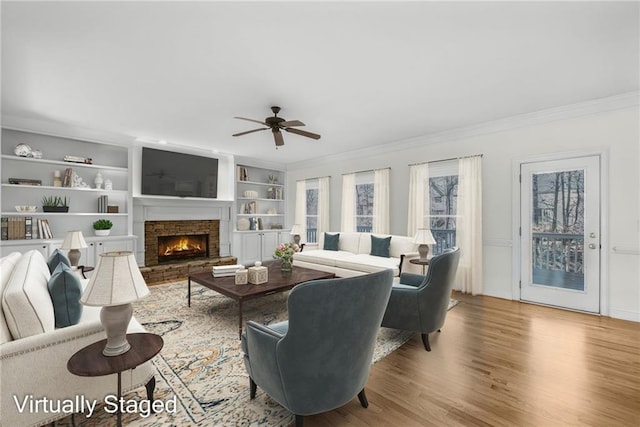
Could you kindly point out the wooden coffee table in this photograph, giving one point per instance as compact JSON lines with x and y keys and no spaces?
{"x":279,"y":281}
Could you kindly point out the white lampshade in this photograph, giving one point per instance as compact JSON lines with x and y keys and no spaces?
{"x":424,"y":237}
{"x":296,"y":229}
{"x":74,"y":240}
{"x":116,"y":280}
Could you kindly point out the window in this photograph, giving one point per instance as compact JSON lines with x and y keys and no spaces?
{"x":312,"y":211}
{"x":364,"y":202}
{"x":443,"y":195}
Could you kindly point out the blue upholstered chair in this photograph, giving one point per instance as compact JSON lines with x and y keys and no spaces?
{"x":320,"y":358}
{"x":420,"y":303}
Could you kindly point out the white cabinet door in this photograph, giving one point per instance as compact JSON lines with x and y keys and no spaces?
{"x":103,"y":246}
{"x":22,"y":248}
{"x":251,"y":250}
{"x":269,"y":243}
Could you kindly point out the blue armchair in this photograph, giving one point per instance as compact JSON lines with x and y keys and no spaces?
{"x":420,"y":303}
{"x":320,"y":358}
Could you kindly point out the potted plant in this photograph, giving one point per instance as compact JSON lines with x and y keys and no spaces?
{"x":102,"y":227}
{"x":55,"y":204}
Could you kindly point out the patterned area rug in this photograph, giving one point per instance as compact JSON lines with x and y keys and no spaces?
{"x":201,"y":362}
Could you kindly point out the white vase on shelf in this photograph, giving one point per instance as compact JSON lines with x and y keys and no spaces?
{"x":98,"y":181}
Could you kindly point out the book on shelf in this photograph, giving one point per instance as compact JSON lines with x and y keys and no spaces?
{"x":28,"y":227}
{"x":4,"y":228}
{"x":67,"y":179}
{"x":25,"y":181}
{"x":103,"y":204}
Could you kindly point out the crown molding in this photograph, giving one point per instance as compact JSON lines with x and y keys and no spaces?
{"x":595,"y":106}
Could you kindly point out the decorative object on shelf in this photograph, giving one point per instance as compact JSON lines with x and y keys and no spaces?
{"x":114,"y":285}
{"x":102,"y":227}
{"x":242,"y":276}
{"x":424,"y":238}
{"x":271,"y":193}
{"x":272,"y":211}
{"x":77,"y":159}
{"x":25,"y":181}
{"x":55,"y":204}
{"x":36,"y":153}
{"x":74,"y":241}
{"x":78,"y":182}
{"x":108,"y":185}
{"x":275,"y":226}
{"x":23,"y":150}
{"x":98,"y":181}
{"x":296,"y":231}
{"x":258,"y":274}
{"x":250,"y":194}
{"x":285,"y":251}
{"x":25,"y":208}
{"x":243,"y":224}
{"x":112,"y":209}
{"x":57,"y":179}
{"x":273,"y":179}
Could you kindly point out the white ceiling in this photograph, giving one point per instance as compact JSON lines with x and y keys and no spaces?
{"x":360,"y":74}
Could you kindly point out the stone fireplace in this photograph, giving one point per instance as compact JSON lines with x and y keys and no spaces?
{"x":180,"y":240}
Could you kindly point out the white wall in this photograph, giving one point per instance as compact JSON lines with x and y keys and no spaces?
{"x":616,"y":133}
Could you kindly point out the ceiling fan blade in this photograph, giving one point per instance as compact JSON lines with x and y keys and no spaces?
{"x":251,"y":120}
{"x":291,"y":123}
{"x":303,"y":133}
{"x":249,"y":131}
{"x":277,"y":135}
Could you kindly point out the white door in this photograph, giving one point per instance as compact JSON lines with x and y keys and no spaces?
{"x":560,"y":233}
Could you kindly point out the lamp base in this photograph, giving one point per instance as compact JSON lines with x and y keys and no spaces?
{"x":115,"y":320}
{"x":74,"y":257}
{"x":296,"y":239}
{"x":423,"y":250}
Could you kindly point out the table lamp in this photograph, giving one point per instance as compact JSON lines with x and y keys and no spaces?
{"x":114,"y":285}
{"x":424,"y":238}
{"x":296,"y":230}
{"x":74,"y":241}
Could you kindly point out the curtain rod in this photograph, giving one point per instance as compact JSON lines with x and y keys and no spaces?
{"x":309,"y":179}
{"x":368,"y":170}
{"x":445,"y":160}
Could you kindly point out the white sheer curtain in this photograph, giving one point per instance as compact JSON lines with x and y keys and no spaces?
{"x":418,"y":209}
{"x":300,"y":214}
{"x":323,"y":205}
{"x":469,"y":225}
{"x":348,"y":220}
{"x":381,"y":201}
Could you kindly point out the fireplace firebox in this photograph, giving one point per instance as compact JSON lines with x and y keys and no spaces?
{"x":181,"y":247}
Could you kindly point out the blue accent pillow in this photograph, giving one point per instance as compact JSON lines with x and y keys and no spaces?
{"x":380,"y":246}
{"x":65,"y":290}
{"x":331,"y":241}
{"x":56,"y":258}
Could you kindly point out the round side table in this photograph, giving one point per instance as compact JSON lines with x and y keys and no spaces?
{"x":418,"y":261}
{"x":90,"y":362}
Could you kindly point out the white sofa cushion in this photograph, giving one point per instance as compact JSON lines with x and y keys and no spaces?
{"x":349,"y":242}
{"x":26,"y":303}
{"x":7,"y":264}
{"x":321,"y":256}
{"x":368,"y":263}
{"x":402,"y":245}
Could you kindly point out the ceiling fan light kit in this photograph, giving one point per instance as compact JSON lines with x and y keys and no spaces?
{"x":276,"y":124}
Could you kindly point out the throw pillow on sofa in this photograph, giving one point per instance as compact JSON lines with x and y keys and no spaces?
{"x":56,"y":258}
{"x":331,"y":241}
{"x":65,"y":290}
{"x":380,"y":246}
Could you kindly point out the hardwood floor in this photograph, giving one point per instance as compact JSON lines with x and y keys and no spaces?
{"x":505,"y":363}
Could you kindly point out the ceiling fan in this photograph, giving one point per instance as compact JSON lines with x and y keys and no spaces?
{"x":276,"y":124}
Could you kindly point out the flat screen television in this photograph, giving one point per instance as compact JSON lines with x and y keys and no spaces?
{"x":167,"y":173}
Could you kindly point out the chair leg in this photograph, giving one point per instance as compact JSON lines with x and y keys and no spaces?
{"x":252,"y":388}
{"x":299,"y":420}
{"x":425,"y":341}
{"x":363,"y":399}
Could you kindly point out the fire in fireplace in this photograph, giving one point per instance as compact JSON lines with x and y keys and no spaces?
{"x":181,"y":247}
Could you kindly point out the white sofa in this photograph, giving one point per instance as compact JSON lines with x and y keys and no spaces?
{"x":34,"y":354}
{"x":353,"y":255}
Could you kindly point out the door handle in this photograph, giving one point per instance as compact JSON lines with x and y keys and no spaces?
{"x":592,"y":235}
{"x":592,"y":246}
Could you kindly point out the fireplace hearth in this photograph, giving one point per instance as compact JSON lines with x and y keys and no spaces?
{"x":175,"y":248}
{"x":179,"y":241}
